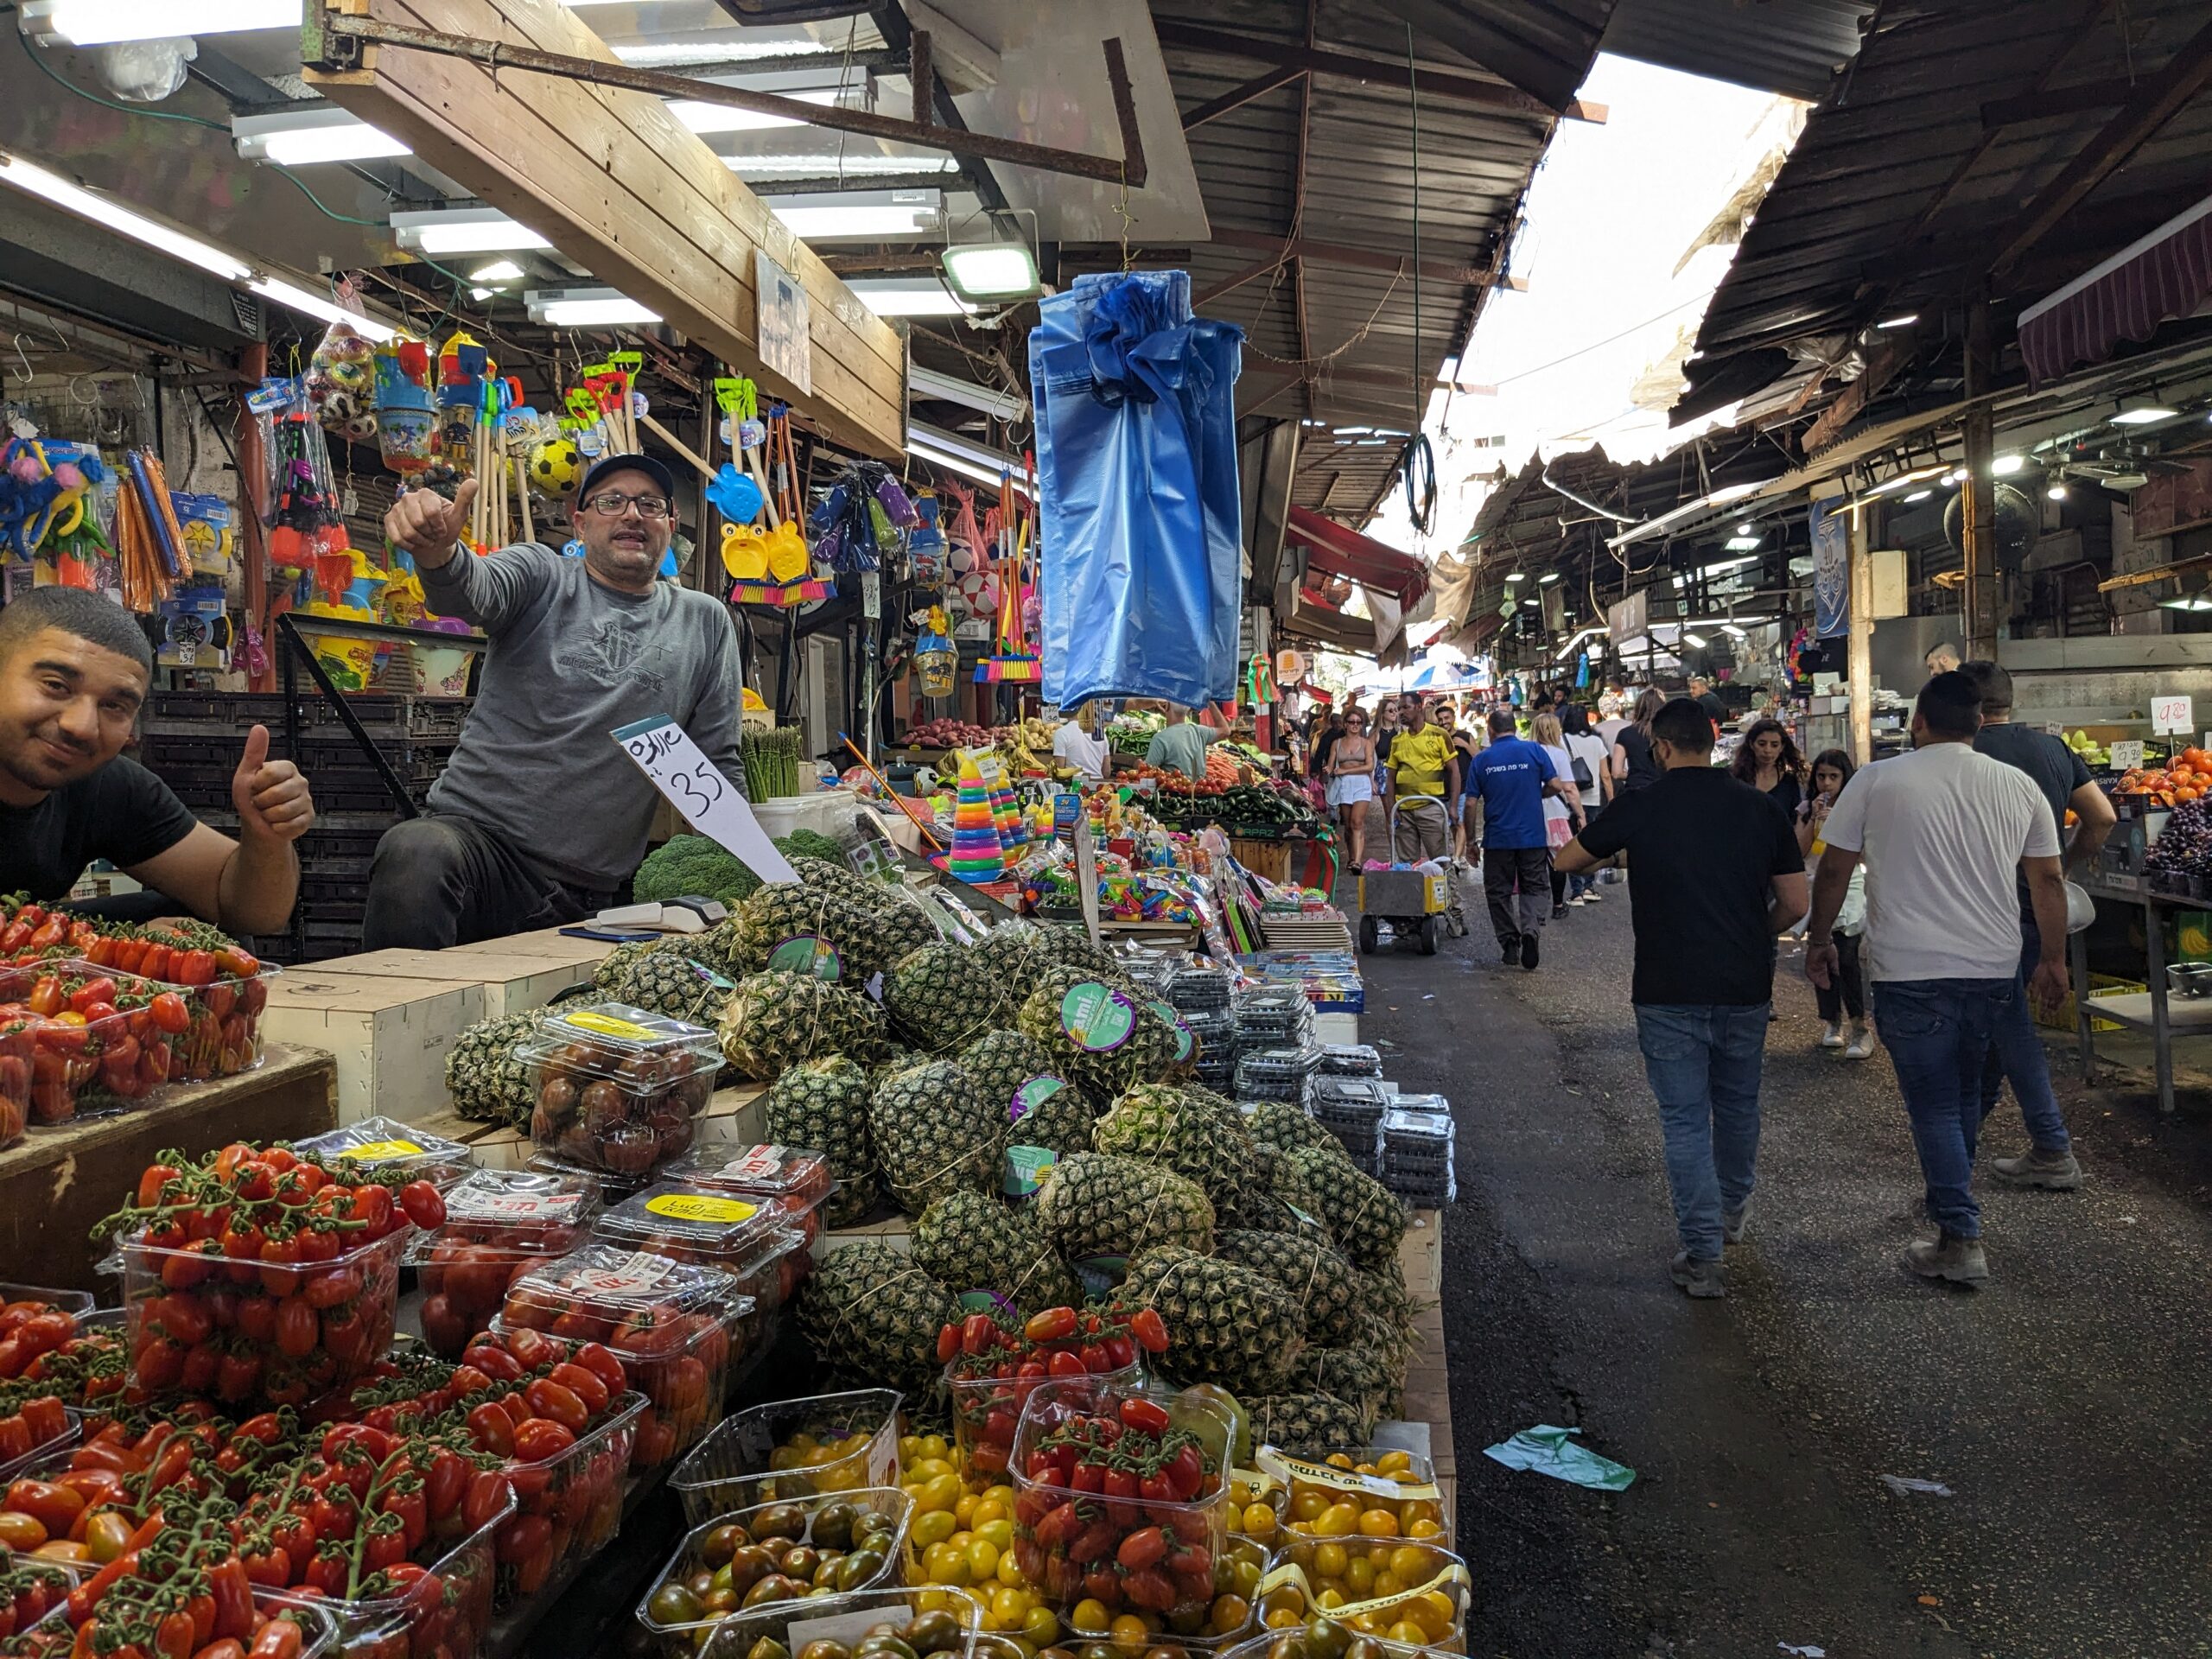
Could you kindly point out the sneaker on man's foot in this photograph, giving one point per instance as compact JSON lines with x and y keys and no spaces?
{"x":1558,"y":911}
{"x":1512,"y":949}
{"x":2044,"y":1166}
{"x":1529,"y":950}
{"x":1699,"y":1279}
{"x":1948,"y":1257}
{"x":1832,"y":1034}
{"x":1862,"y":1044}
{"x":1731,"y":1223}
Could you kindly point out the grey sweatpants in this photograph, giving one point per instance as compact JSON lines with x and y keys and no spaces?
{"x":1518,"y":877}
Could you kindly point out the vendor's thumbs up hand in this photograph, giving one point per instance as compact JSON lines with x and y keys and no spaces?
{"x":427,"y":525}
{"x":271,"y":797}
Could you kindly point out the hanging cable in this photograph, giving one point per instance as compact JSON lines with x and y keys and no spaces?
{"x":1417,"y":461}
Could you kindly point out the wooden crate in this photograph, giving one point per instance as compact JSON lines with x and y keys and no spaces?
{"x":58,"y":1181}
{"x":512,"y":984}
{"x":390,"y":1036}
{"x":1269,"y":860}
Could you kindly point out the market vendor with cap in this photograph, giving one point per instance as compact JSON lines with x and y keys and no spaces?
{"x":540,"y":818}
{"x":75,"y":667}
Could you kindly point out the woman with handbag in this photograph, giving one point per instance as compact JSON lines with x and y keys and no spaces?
{"x":1589,"y":759}
{"x":1563,"y":816}
{"x":1846,"y":993}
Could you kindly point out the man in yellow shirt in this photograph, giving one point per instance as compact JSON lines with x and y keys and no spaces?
{"x":1420,"y":773}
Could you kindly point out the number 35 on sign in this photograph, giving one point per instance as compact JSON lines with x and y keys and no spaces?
{"x":696,"y":787}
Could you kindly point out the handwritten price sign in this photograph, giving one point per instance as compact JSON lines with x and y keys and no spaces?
{"x":696,"y":787}
{"x":2171,"y":715}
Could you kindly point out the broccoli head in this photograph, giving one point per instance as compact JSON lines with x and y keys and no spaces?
{"x":693,"y":865}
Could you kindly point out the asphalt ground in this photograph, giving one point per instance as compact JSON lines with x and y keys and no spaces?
{"x":2067,"y":1404}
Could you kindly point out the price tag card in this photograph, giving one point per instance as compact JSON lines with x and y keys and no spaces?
{"x":2171,"y":713}
{"x":696,"y":787}
{"x":2127,"y":755}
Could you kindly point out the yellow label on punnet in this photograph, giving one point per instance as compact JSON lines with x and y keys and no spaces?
{"x":701,"y":1206}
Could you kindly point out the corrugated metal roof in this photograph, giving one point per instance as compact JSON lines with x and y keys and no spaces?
{"x":1778,"y":46}
{"x":1906,"y":184}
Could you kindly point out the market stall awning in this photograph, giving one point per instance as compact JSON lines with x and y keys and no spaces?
{"x":1332,"y":548}
{"x":2155,"y":279}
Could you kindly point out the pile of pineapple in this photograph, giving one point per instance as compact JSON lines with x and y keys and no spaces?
{"x":1272,"y":1260}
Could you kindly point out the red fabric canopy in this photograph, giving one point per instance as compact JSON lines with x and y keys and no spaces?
{"x":1330,"y":547}
{"x":2165,"y":275}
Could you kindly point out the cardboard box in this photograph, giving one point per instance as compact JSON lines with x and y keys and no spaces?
{"x":548,"y":944}
{"x":390,"y":1035}
{"x":1421,"y":1254}
{"x":512,"y":984}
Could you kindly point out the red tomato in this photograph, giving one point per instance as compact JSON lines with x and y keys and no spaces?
{"x":540,"y":1441}
{"x":549,"y":1399}
{"x":424,"y":1205}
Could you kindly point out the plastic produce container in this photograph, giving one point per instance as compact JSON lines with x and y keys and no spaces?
{"x":76,"y":1303}
{"x":52,"y":1637}
{"x":77,"y":1041}
{"x":953,"y":1628}
{"x":1352,"y":1060}
{"x":1052,"y":1535}
{"x":792,"y":1449}
{"x":352,"y":1301}
{"x":400,"y":1147}
{"x":793,"y":1180}
{"x":447,"y":1613}
{"x":500,"y":1224}
{"x":577,"y":1495}
{"x":668,"y":1321}
{"x":31,"y":1588}
{"x":73,"y":1430}
{"x":1393,"y":1588}
{"x":617,"y":1089}
{"x":1324,"y":1500}
{"x":986,"y":1411}
{"x":855,"y":1541}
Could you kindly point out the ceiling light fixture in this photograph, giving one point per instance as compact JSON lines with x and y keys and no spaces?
{"x":769,"y":54}
{"x":321,"y":306}
{"x":1548,"y":575}
{"x":464,"y":230}
{"x":1741,"y":543}
{"x":907,"y":296}
{"x":2193,"y":602}
{"x":107,"y":22}
{"x":999,"y":405}
{"x":1697,"y":639}
{"x":36,"y":181}
{"x":1904,"y":321}
{"x":2005,"y":466}
{"x":586,"y":308}
{"x":2056,"y":493}
{"x":1918,"y":495}
{"x":304,"y":137}
{"x":789,"y":164}
{"x":706,"y":119}
{"x":499,"y":271}
{"x":1734,"y":632}
{"x":2142,"y":415}
{"x":859,"y":215}
{"x":1516,"y":575}
{"x":992,"y":273}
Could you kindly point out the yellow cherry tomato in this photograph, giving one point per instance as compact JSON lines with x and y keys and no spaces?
{"x":1229,"y":1614}
{"x":1127,"y":1630}
{"x":1282,"y":1619}
{"x":1407,"y":1631}
{"x":1424,"y":1529}
{"x":1090,"y":1616}
{"x":1010,"y":1571}
{"x":1359,"y":1577}
{"x":933,"y":1528}
{"x":1259,"y":1521}
{"x":1330,"y":1559}
{"x":1042,"y":1627}
{"x":941,"y":1492}
{"x":1435,"y":1612}
{"x":1391,"y":1463}
{"x":988,"y":1509}
{"x":1386,"y":1584}
{"x":1338,"y":1520}
{"x":1330,"y":1600}
{"x":998,"y":1534}
{"x":983,"y":1559}
{"x":933,"y":1445}
{"x":1338,"y":1461}
{"x":963,"y":1509}
{"x":1378,"y":1523}
{"x":1309,"y":1506}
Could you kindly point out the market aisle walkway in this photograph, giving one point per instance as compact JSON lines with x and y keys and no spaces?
{"x":2067,"y":1405}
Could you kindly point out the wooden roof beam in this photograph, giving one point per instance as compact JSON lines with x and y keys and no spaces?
{"x":1238,"y":97}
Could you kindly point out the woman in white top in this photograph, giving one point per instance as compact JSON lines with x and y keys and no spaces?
{"x":1352,"y":781}
{"x":1846,"y":992}
{"x":1563,"y":818}
{"x":1076,"y":745}
{"x":1585,"y":749}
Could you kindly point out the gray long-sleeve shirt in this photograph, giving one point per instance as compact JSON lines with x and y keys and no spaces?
{"x":569,"y":661}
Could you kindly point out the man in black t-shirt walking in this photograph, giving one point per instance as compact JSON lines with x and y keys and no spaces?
{"x":2064,"y":781}
{"x":1715,"y":875}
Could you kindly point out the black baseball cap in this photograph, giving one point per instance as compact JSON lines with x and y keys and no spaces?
{"x":646,"y":464}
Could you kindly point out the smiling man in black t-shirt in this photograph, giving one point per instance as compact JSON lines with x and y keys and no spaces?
{"x":1714,"y":875}
{"x":74,"y":669}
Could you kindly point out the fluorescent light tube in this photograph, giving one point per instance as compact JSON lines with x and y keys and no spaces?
{"x":103,"y":22}
{"x":585,"y":308}
{"x":1918,"y":495}
{"x":999,"y":405}
{"x":499,"y":271}
{"x":907,"y":296}
{"x":1548,"y":575}
{"x":859,"y":215}
{"x":466,"y":230}
{"x":102,"y":210}
{"x":320,"y":305}
{"x":815,"y":165}
{"x":304,"y":137}
{"x":1697,"y":639}
{"x":1739,"y":543}
{"x":2142,"y":416}
{"x":2005,"y":466}
{"x":1904,"y":321}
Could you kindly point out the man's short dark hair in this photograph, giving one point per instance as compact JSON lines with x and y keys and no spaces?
{"x":1950,"y":705}
{"x":1502,"y":723}
{"x":1995,"y":684}
{"x":1684,"y":725}
{"x":91,"y":617}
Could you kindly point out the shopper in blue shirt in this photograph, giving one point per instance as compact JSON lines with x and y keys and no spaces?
{"x":1513,"y":776}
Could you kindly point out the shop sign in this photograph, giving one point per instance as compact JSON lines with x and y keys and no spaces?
{"x":1627,"y":618}
{"x":786,"y":318}
{"x":1830,"y":573}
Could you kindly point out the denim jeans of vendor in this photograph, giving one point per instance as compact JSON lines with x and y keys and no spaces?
{"x":2016,"y":1051}
{"x":1703,"y":1063}
{"x":1938,"y":1032}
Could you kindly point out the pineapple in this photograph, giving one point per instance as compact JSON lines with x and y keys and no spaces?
{"x":824,"y":1104}
{"x":1061,"y":1121}
{"x":1367,"y":1219}
{"x":1359,"y":1377}
{"x":720,"y":949}
{"x":1227,"y":1323}
{"x":1309,"y":1424}
{"x":904,"y":926}
{"x":974,"y":1242}
{"x":1093,"y":1204}
{"x":773,"y":1021}
{"x":483,"y":1076}
{"x":824,"y":876}
{"x":1277,"y":1201}
{"x":666,"y":978}
{"x":1286,"y":1127}
{"x":1326,"y":1287}
{"x":1193,"y":1132}
{"x":783,"y":910}
{"x":872,"y":1316}
{"x":934,"y":1134}
{"x":942,"y":996}
{"x":1144,"y":1054}
{"x":1000,"y":1062}
{"x":615,"y":966}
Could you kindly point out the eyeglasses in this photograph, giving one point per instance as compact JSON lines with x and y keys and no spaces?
{"x":612,"y":503}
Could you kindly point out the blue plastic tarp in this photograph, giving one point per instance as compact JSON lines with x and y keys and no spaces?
{"x":1142,"y":531}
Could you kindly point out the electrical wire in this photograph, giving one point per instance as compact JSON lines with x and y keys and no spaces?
{"x":54,"y":75}
{"x":1417,"y":459}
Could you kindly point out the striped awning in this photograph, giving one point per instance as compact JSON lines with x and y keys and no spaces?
{"x":2165,"y":275}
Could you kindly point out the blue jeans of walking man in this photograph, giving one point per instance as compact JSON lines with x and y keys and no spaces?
{"x":2015,"y":1051}
{"x":1939,"y":1033}
{"x":1703,"y":1063}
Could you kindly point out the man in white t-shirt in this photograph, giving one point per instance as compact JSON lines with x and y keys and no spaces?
{"x":1941,"y":830}
{"x":1076,"y":746}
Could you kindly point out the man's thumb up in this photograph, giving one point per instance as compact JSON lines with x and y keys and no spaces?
{"x":256,"y":751}
{"x":271,"y":796}
{"x":464,"y":498}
